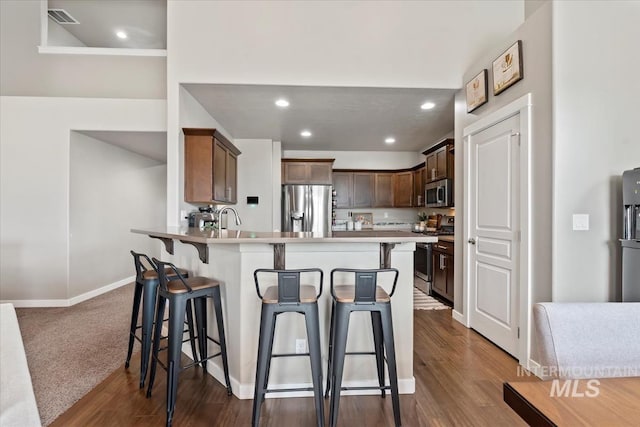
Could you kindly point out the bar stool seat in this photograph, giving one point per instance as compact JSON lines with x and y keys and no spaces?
{"x":364,"y":295}
{"x":179,"y":293}
{"x":307,"y":294}
{"x":145,"y":292}
{"x":195,"y":283}
{"x":347,"y":293}
{"x":288,"y":297}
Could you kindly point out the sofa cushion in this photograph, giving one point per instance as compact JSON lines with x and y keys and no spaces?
{"x":588,"y":340}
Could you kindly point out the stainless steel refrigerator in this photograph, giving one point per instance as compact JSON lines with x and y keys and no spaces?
{"x":306,"y":208}
{"x":631,"y":236}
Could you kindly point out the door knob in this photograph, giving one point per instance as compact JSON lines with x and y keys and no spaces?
{"x":472,"y":241}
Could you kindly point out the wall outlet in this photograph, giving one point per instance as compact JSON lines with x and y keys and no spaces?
{"x":301,"y":346}
{"x":580,"y":222}
{"x":386,"y":214}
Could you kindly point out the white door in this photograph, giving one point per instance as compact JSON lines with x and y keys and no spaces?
{"x":494,"y":233}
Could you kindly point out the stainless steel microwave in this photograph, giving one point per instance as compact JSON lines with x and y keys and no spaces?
{"x":439,"y":194}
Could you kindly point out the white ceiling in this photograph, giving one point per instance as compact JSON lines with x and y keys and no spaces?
{"x":340,"y":118}
{"x":148,"y":144}
{"x":145,"y":22}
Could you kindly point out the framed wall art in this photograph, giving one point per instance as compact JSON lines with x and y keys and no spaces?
{"x":507,"y":68}
{"x":477,"y":91}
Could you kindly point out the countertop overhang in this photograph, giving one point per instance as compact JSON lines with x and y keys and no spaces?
{"x":197,"y":235}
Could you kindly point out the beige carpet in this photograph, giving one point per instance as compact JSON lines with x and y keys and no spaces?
{"x":422,"y":301}
{"x":71,"y":350}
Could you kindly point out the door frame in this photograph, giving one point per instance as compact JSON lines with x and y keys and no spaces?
{"x":521,"y":106}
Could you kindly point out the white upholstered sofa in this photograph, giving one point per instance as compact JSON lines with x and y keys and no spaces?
{"x":588,"y":340}
{"x":17,"y":401}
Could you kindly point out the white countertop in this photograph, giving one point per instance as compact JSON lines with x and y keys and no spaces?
{"x":232,"y":236}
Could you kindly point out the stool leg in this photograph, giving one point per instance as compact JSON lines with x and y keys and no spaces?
{"x":177,"y":307}
{"x":387,"y":329}
{"x":217,"y":305}
{"x":137,"y":294}
{"x":339,"y":349}
{"x":201,"y":322}
{"x":313,"y":335}
{"x":266,"y":326}
{"x":330,"y":352}
{"x":157,"y":333}
{"x":378,"y":341}
{"x":270,"y":349}
{"x":149,"y":296}
{"x":192,"y":335}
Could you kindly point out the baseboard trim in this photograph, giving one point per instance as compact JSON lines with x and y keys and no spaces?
{"x":459,"y":317}
{"x":45,"y":303}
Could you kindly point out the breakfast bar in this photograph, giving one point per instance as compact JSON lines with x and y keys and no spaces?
{"x":232,"y":256}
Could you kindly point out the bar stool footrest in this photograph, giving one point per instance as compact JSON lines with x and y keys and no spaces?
{"x":283,"y":390}
{"x":367,"y":388}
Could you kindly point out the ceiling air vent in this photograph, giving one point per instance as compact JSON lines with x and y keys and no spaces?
{"x":61,"y":16}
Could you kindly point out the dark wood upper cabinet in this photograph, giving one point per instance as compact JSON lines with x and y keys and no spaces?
{"x":418,"y":187}
{"x":307,"y":171}
{"x":383,"y":190}
{"x":210,"y":167}
{"x":363,"y":184}
{"x":353,"y":189}
{"x":343,"y":185}
{"x":403,"y":189}
{"x":440,"y":161}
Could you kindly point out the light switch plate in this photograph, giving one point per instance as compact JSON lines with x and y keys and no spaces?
{"x":580,"y":222}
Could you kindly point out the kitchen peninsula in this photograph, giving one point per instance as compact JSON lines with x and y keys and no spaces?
{"x":232,"y":256}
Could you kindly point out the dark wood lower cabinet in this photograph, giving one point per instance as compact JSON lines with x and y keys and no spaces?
{"x":442,"y":281}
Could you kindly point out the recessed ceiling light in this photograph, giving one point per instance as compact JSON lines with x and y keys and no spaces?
{"x":305,"y":133}
{"x":121,"y":34}
{"x":427,"y":105}
{"x":282,"y":103}
{"x":390,"y":140}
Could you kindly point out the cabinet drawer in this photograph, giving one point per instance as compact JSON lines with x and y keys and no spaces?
{"x":444,"y":247}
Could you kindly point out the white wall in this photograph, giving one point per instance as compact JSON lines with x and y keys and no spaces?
{"x":535,"y":34}
{"x":361,"y":159}
{"x":256,"y":172}
{"x":57,"y":35}
{"x":34,"y":183}
{"x":379,"y":44}
{"x":596,"y":93}
{"x":111,"y":190}
{"x":25,"y":72}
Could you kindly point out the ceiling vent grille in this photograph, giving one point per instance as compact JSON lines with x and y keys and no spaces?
{"x":61,"y":16}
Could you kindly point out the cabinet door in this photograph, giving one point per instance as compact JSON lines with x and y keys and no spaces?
{"x":232,"y":178}
{"x":362,"y":190}
{"x":198,"y":157}
{"x":319,"y":173}
{"x":439,"y":273}
{"x":431,"y":167}
{"x":403,"y":190}
{"x":343,"y":183}
{"x":450,"y":269}
{"x":295,"y":173}
{"x":418,"y":188}
{"x":441,"y":163}
{"x":383,"y":190}
{"x":219,"y":172}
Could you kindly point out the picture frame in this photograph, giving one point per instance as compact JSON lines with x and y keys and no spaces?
{"x":477,"y":91}
{"x":366,"y":218}
{"x":507,"y":68}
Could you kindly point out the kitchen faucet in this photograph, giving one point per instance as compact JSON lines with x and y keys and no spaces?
{"x":223,"y":210}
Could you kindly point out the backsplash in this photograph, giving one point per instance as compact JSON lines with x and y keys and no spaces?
{"x":401,"y":215}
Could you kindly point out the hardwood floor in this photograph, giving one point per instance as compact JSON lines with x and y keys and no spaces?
{"x":459,"y":376}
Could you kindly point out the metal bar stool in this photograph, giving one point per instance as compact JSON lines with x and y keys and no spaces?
{"x":289,"y":296}
{"x":179,"y":292}
{"x":146,"y":290}
{"x":365,"y":295}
